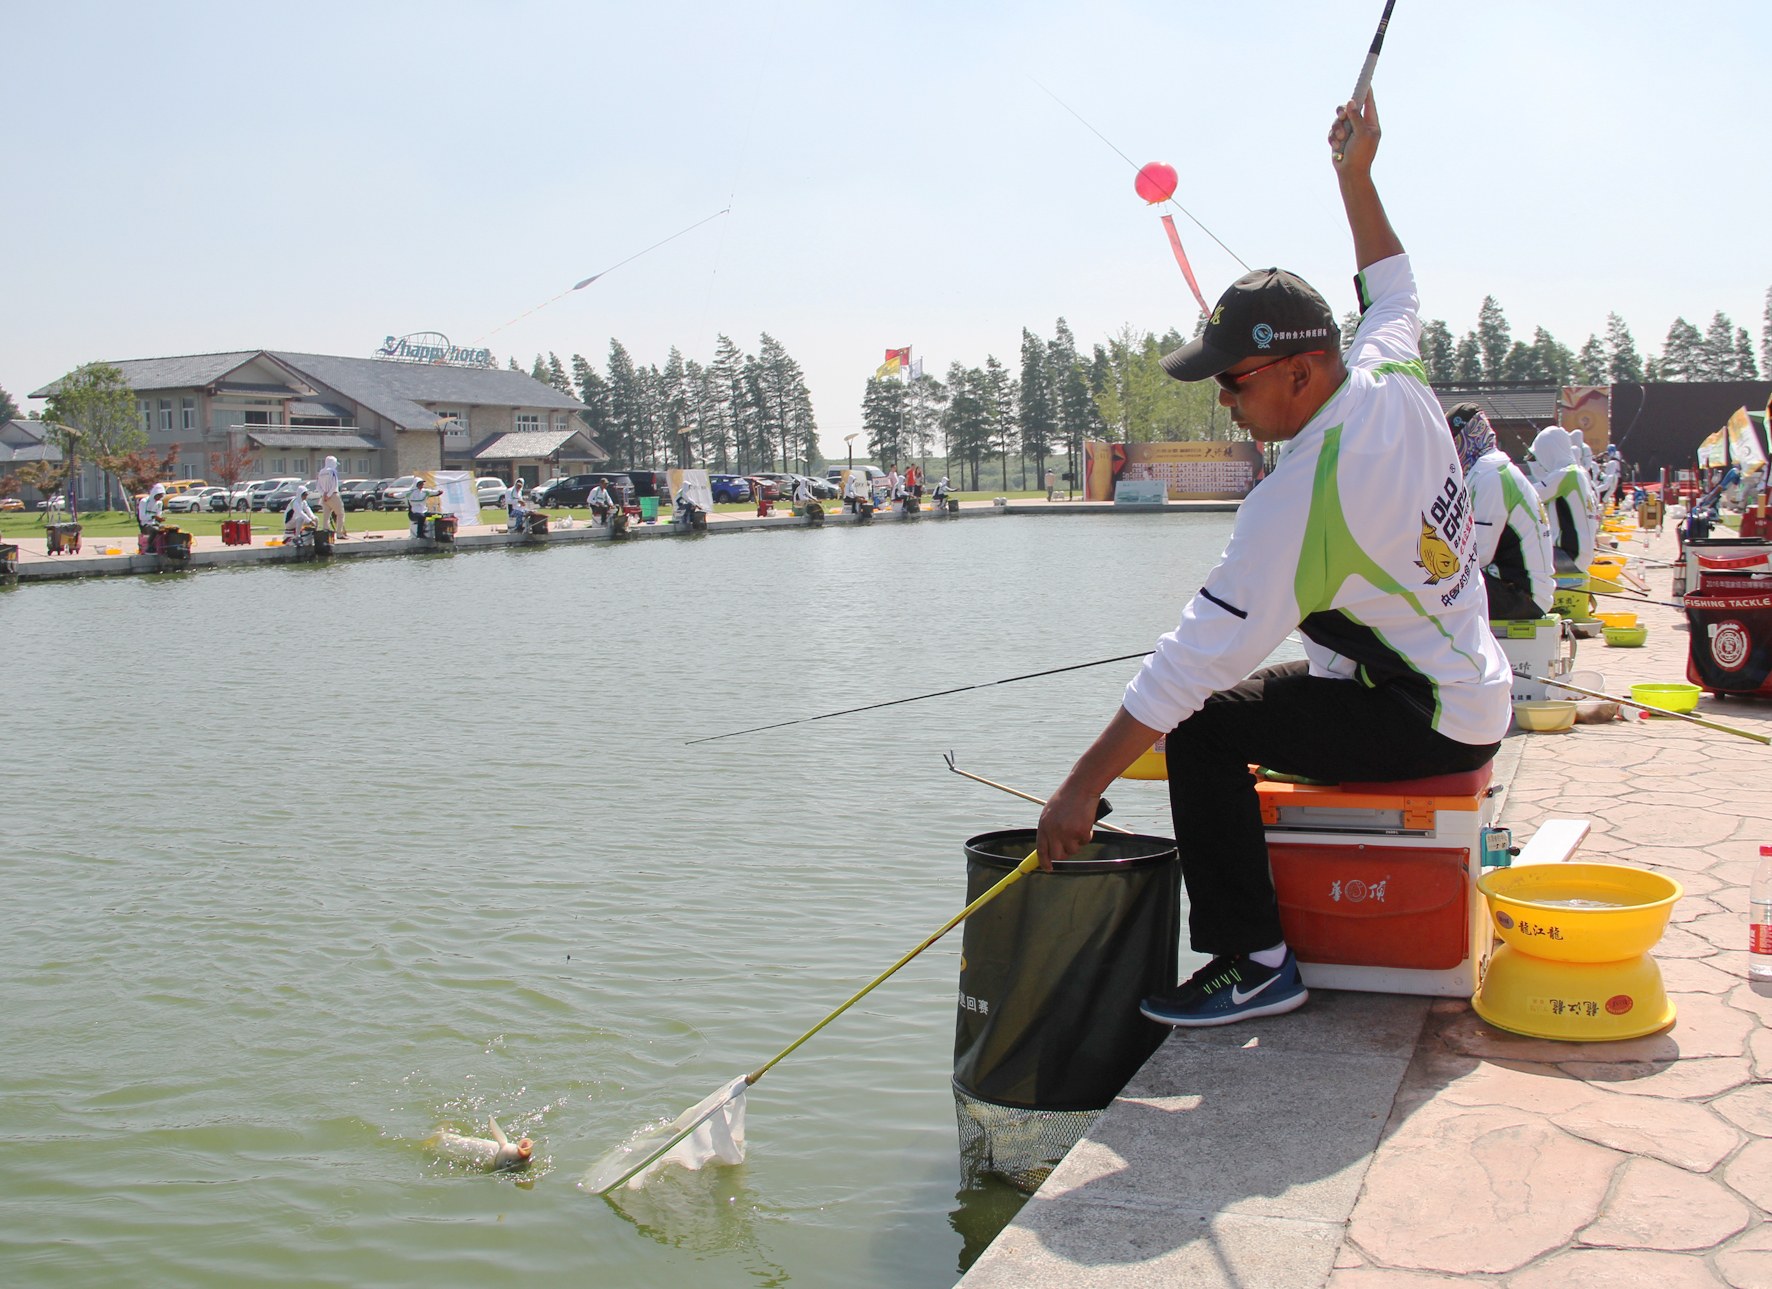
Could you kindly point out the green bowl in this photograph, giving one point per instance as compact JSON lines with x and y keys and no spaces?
{"x":1669,"y":698}
{"x":1626,"y":637}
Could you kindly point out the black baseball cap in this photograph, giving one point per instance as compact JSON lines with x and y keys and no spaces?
{"x":1463,"y":414}
{"x":1268,"y":312}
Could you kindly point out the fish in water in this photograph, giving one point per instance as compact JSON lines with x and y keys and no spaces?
{"x":497,"y":1154}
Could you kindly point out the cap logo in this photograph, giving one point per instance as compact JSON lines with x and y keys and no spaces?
{"x":1217,"y":315}
{"x":1264,"y":335}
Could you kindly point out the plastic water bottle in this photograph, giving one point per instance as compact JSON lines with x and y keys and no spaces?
{"x":1759,"y":932}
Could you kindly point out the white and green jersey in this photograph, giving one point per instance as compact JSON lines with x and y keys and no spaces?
{"x":1513,"y":535}
{"x":1362,"y":538}
{"x":1570,"y":504}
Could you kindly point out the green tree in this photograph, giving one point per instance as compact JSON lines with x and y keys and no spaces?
{"x":557,"y":375}
{"x":1494,"y":336}
{"x":539,"y":371}
{"x":999,"y":396}
{"x":1745,"y":369}
{"x":1350,"y":323}
{"x":966,"y":422}
{"x":1682,"y":354}
{"x":1623,"y":363}
{"x":511,"y":364}
{"x":1437,"y":352}
{"x":1467,"y":360}
{"x":624,"y":404}
{"x":96,"y":403}
{"x":882,"y":417}
{"x":1078,"y":417}
{"x":1766,"y":335}
{"x":1590,"y":363}
{"x":9,"y":410}
{"x":926,"y":399}
{"x":1716,"y":356}
{"x":1036,"y":407}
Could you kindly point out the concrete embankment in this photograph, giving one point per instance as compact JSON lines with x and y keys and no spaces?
{"x":1373,"y":1141}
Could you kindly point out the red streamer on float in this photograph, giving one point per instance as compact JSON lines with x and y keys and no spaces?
{"x":1187,"y":270}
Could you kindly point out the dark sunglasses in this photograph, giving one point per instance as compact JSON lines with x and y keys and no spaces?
{"x":1231,"y":383}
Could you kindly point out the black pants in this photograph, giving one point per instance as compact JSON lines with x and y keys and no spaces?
{"x":1507,"y":601}
{"x":1290,"y":721}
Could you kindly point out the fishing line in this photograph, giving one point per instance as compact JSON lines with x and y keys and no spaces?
{"x":1129,"y":161}
{"x":894,"y":702}
{"x":579,"y":286}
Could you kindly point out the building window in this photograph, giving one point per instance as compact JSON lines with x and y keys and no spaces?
{"x":188,"y":413}
{"x":257,"y":418}
{"x":277,"y":465}
{"x":166,"y":414}
{"x":147,"y":411}
{"x":528,"y":421}
{"x":362,"y":465}
{"x":298,"y":465}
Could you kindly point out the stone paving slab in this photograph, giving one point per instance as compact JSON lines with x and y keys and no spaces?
{"x":1502,"y":1160}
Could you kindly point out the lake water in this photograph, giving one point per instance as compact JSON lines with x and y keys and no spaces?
{"x":302,"y":862}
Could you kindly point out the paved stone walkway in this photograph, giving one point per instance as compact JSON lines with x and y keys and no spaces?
{"x":1376,"y":1142}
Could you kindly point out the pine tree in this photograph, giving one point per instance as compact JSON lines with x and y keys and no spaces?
{"x":1350,"y":323}
{"x":1682,"y":353}
{"x":965,"y":423}
{"x":1744,"y":356}
{"x":9,"y":410}
{"x":1551,"y":359}
{"x":1036,"y":410}
{"x":999,"y":393}
{"x":539,"y":371}
{"x":1467,"y":361}
{"x":1716,"y":360}
{"x":557,"y":375}
{"x":1494,"y":336}
{"x":726,"y":390}
{"x":882,"y":416}
{"x":624,"y":404}
{"x":1766,"y":335}
{"x":511,"y":364}
{"x":1437,"y":352}
{"x":1622,"y":360}
{"x":1590,"y":363}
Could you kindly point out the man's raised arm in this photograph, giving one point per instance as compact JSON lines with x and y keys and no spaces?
{"x":1374,"y":238}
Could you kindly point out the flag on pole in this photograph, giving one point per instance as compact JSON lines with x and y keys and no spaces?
{"x":917,"y":370}
{"x":896,"y":361}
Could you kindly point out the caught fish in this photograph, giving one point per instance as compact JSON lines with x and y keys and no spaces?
{"x":497,"y":1154}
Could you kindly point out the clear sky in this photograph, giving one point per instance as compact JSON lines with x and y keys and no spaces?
{"x":188,"y":178}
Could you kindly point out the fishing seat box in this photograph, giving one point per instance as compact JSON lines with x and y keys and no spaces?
{"x":1377,"y":882}
{"x":1729,"y":641}
{"x":1535,"y":647}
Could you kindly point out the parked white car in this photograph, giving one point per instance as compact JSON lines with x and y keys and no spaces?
{"x":241,"y":498}
{"x":489,"y":490}
{"x":196,"y":500}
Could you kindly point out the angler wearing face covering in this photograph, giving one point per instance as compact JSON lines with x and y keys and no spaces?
{"x":148,"y":509}
{"x":297,"y":516}
{"x":1513,"y":537}
{"x":1568,"y":499}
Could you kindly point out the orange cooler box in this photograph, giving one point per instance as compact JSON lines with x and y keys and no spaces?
{"x":1378,"y":882}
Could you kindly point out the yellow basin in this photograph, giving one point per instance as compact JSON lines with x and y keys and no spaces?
{"x":1618,"y":619}
{"x":1580,"y":1002}
{"x":1579,"y":912}
{"x":1545,"y":716}
{"x":1152,"y":763}
{"x":1669,"y":698}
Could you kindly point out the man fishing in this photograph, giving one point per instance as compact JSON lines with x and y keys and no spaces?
{"x":1362,"y":540}
{"x":1513,"y":535}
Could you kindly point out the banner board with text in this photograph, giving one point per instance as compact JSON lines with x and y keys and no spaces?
{"x":1192,"y":471}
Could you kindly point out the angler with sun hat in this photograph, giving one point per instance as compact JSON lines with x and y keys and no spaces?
{"x":1361,"y":539}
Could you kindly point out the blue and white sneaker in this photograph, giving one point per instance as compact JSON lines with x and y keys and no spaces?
{"x":1227,"y":990}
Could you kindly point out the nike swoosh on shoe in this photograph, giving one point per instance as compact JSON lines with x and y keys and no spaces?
{"x":1239,"y":997}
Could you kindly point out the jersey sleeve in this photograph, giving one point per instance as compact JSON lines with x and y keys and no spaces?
{"x":1236,"y":620}
{"x":1390,"y":323}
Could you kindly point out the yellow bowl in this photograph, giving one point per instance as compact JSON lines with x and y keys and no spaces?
{"x":1545,"y":717}
{"x":1617,"y":619}
{"x":1669,"y":698}
{"x":1579,"y":912}
{"x":1152,"y":763}
{"x":1578,"y":1002}
{"x":1626,"y":637}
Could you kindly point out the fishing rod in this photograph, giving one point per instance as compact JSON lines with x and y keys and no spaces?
{"x":1363,"y":86}
{"x":1655,"y":711}
{"x":917,"y":698}
{"x":1637,"y":599}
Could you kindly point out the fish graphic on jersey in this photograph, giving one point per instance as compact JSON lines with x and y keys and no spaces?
{"x":1438,"y":560}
